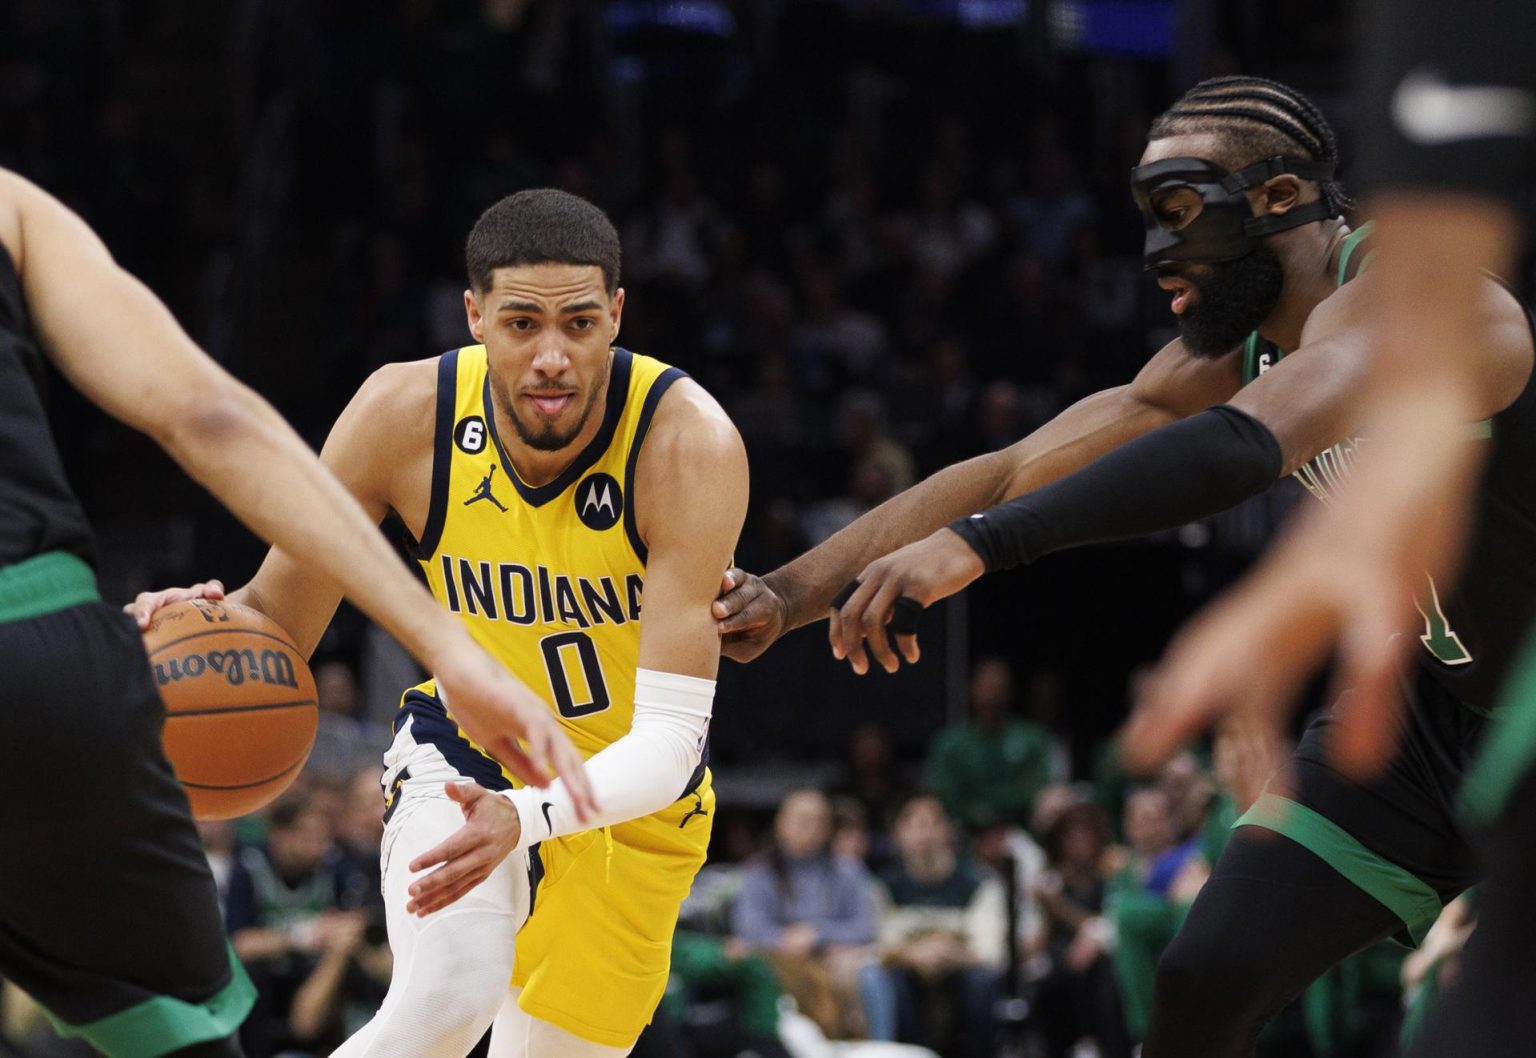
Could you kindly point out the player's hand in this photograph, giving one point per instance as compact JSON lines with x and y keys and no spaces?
{"x":467,"y":858}
{"x":146,"y":603}
{"x":751,"y":615}
{"x":1248,"y":655}
{"x":926,"y":571}
{"x":512,"y":724}
{"x":1344,"y":579}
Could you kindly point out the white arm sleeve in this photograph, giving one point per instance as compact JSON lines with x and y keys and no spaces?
{"x":641,"y":773}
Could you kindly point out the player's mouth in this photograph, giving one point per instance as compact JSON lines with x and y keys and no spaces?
{"x":1183,"y":290}
{"x":551,"y":404}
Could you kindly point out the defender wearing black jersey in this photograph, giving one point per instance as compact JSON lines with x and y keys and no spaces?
{"x":108,"y":913}
{"x":1243,"y":227}
{"x":1449,"y":157}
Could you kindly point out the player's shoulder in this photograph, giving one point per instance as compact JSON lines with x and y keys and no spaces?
{"x":405,"y":389}
{"x":690,"y":424}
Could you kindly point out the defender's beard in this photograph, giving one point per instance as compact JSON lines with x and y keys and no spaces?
{"x":1235,"y":297}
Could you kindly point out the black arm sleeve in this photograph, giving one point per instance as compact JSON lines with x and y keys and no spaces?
{"x":1180,"y":473}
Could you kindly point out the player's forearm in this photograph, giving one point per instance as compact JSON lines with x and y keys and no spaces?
{"x":1183,"y":472}
{"x":243,"y":452}
{"x":1088,"y":429}
{"x":643,"y":772}
{"x":1433,"y":253}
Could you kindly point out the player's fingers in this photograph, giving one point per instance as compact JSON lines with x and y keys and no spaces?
{"x":737,"y":592}
{"x":849,"y":642}
{"x":1175,"y":702}
{"x":457,"y":845}
{"x":438,"y":898}
{"x":573,"y":772}
{"x":146,"y":603}
{"x":876,"y":616}
{"x":1371,"y":659}
{"x":465,"y":793}
{"x":446,"y":875}
{"x":742,"y":647}
{"x":534,"y":751}
{"x":907,"y":644}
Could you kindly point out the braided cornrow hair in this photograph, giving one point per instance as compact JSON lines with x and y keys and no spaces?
{"x":1257,"y":118}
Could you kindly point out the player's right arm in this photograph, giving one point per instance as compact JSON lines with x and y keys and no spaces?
{"x":121,"y":347}
{"x":1172,"y":385}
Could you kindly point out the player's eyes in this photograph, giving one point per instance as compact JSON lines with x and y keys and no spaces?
{"x":520,"y":323}
{"x":583,"y":323}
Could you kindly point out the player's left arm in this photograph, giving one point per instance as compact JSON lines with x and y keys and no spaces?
{"x":690,"y":497}
{"x":1185,"y":471}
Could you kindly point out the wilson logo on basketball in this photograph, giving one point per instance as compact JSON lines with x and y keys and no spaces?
{"x":236,"y":666}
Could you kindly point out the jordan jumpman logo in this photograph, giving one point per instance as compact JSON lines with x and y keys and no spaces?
{"x":484,"y":491}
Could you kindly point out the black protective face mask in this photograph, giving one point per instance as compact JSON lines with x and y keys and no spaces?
{"x":1196,"y":211}
{"x":1234,"y":298}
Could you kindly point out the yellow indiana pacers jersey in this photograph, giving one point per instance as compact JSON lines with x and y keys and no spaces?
{"x":549,"y":578}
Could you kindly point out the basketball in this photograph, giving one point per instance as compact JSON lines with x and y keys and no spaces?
{"x":240,"y":705}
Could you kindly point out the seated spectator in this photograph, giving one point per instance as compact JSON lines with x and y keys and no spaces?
{"x":811,"y":913}
{"x":290,"y":908}
{"x":987,"y":769}
{"x":1161,"y":862}
{"x":1078,"y":999}
{"x":943,"y":934}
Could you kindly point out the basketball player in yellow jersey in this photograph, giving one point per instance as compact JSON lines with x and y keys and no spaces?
{"x":576,"y":505}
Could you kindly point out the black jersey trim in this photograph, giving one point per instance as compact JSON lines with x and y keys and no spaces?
{"x":647,"y":410}
{"x":442,"y":454}
{"x":618,"y":396}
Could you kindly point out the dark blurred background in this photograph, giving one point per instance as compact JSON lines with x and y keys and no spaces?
{"x":886,"y":234}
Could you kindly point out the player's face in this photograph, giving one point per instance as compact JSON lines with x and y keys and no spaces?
{"x":1218,"y":303}
{"x":547,"y":330}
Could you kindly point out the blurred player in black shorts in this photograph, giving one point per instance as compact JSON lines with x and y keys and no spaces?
{"x":108,"y":913}
{"x":1449,"y":161}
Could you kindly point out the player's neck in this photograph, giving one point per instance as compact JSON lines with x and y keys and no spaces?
{"x":1310,"y":262}
{"x":537,"y":466}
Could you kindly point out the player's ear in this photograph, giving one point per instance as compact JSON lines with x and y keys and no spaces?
{"x":1280,"y":194}
{"x":472,"y":312}
{"x":615,"y":315}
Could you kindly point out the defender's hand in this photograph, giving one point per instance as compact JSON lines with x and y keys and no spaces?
{"x":751,"y":615}
{"x":512,"y":724}
{"x":926,"y":571}
{"x":490,"y":831}
{"x":146,"y":603}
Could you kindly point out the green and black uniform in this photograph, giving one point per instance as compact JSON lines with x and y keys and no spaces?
{"x":1450,"y":108}
{"x":108,"y":913}
{"x":1363,"y":861}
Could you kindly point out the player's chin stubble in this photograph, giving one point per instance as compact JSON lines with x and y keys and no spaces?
{"x":1235,"y":297}
{"x":550,"y":438}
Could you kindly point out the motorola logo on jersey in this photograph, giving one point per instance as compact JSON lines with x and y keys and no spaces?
{"x":599,"y":503}
{"x":469,"y":435}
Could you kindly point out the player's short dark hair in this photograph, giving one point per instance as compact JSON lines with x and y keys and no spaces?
{"x":541,"y":226}
{"x":1255,"y":118}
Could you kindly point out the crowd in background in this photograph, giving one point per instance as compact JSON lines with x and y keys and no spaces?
{"x":888,"y":235}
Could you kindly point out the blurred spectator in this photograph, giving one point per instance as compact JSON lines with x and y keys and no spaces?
{"x":1151,"y":894}
{"x":291,"y":912}
{"x":344,"y":741}
{"x":218,"y":838}
{"x":873,"y":776}
{"x":812,"y":914}
{"x":944,"y":940}
{"x":987,"y":769}
{"x":1078,"y":998}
